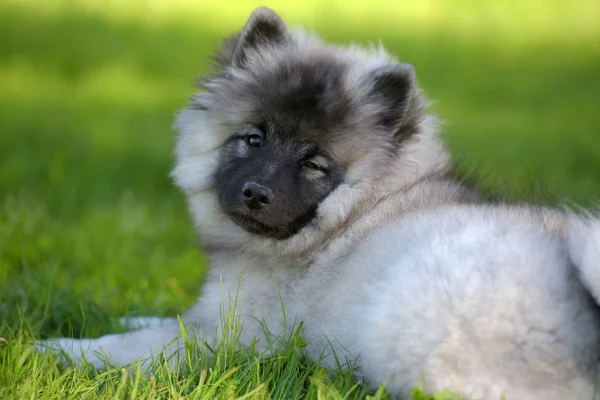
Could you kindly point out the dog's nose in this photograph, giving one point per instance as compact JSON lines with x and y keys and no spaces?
{"x":256,"y":196}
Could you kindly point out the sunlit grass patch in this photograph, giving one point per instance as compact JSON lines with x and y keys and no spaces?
{"x":199,"y":371}
{"x":522,"y":21}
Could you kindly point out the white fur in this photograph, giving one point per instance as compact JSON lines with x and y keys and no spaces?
{"x":475,"y":299}
{"x":584,"y":248}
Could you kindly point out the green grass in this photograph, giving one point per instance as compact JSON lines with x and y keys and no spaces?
{"x":91,"y":228}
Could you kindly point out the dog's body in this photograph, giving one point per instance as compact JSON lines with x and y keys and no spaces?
{"x":319,"y":184}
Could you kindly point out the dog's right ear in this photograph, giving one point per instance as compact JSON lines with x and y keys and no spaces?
{"x":263,"y":28}
{"x":393,"y":86}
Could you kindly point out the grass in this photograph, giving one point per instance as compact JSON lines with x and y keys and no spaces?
{"x":92,"y":229}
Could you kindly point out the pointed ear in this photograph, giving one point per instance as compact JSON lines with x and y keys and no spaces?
{"x":392,"y":87}
{"x":263,"y":28}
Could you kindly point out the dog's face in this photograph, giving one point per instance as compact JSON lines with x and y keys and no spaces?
{"x":295,"y":117}
{"x":275,"y":169}
{"x":272,"y":176}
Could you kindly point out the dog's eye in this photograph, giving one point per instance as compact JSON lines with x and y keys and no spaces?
{"x":311,"y":165}
{"x":254,"y":140}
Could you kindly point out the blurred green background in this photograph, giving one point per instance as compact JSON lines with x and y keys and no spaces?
{"x":90,"y":225}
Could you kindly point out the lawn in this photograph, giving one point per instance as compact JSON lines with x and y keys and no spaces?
{"x":92,"y":229}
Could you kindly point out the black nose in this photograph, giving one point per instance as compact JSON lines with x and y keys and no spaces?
{"x":256,"y":196}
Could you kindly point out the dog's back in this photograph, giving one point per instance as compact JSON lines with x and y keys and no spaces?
{"x":481,"y":300}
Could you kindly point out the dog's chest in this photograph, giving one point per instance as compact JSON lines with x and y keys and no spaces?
{"x":278,"y":298}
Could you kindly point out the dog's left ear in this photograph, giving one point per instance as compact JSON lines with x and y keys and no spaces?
{"x":392,"y":88}
{"x":263,"y":28}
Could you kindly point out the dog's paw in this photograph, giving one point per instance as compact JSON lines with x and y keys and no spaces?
{"x":73,"y":351}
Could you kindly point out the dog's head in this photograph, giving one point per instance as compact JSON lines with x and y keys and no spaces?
{"x":287,"y":123}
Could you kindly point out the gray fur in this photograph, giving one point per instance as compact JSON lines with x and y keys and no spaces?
{"x":401,"y":266}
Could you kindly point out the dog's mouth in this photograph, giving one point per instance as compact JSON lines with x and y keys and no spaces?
{"x":252,"y":225}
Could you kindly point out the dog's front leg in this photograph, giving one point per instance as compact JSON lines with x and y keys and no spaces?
{"x":164,"y":338}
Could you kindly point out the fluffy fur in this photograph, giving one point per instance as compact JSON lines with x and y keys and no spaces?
{"x":397,"y":264}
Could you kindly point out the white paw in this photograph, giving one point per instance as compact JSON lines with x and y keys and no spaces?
{"x":74,"y":350}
